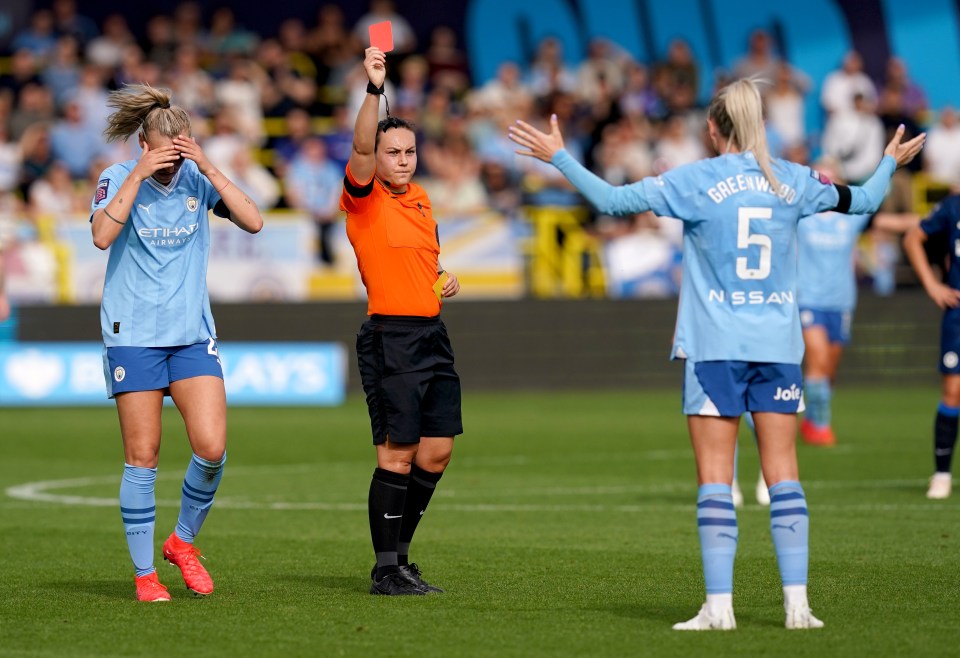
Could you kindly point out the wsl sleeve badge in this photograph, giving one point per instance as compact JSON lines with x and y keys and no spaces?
{"x":102,"y":188}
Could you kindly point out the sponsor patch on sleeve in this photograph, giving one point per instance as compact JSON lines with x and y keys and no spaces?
{"x":816,"y":175}
{"x":102,"y":188}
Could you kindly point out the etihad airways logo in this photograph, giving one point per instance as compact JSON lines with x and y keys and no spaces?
{"x":168,"y":237}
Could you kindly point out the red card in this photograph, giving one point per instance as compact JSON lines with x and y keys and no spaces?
{"x":381,"y":36}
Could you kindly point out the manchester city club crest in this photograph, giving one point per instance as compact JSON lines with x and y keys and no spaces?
{"x":192,"y":203}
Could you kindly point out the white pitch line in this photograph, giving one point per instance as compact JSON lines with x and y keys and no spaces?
{"x":43,"y":492}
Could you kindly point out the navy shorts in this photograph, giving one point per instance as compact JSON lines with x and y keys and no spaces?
{"x":128,"y":369}
{"x":731,"y":388}
{"x":950,"y":342}
{"x":836,"y":323}
{"x":406,"y":367}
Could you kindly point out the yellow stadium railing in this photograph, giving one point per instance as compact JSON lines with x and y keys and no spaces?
{"x":927,"y":193}
{"x":564,"y":260}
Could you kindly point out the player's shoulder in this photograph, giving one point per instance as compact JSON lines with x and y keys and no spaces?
{"x":119,"y":170}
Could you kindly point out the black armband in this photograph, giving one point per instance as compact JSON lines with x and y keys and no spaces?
{"x":376,"y":91}
{"x":843,"y":204}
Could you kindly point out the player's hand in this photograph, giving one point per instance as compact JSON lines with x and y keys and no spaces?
{"x":189,"y":149}
{"x":153,"y":160}
{"x":452,"y":286}
{"x":537,"y":144}
{"x":375,"y":64}
{"x":904,"y":153}
{"x":944,"y":296}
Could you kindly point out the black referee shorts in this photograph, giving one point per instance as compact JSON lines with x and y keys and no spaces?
{"x":406,"y":367}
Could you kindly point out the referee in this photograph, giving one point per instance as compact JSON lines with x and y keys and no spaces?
{"x":405,"y":357}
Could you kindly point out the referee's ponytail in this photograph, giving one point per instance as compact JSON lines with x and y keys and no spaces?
{"x":738,"y":112}
{"x":144,"y":108}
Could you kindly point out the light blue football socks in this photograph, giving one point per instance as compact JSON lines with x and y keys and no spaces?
{"x":790,"y":528}
{"x":717,"y":526}
{"x":199,"y":486}
{"x":138,"y":509}
{"x":817,"y":395}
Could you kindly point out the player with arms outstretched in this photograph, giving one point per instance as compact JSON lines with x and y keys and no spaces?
{"x":738,"y":327}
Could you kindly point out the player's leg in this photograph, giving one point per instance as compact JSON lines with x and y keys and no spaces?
{"x":762,"y":492}
{"x":774,"y":412}
{"x":197,"y":389}
{"x":139,"y":414}
{"x":136,"y":378}
{"x":714,"y":442}
{"x":945,"y":438}
{"x":815,"y":427}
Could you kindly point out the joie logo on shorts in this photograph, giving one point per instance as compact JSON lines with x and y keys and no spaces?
{"x":790,"y":395}
{"x":119,"y":373}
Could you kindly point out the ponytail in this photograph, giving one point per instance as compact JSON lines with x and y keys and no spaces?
{"x":144,"y":108}
{"x":738,"y":112}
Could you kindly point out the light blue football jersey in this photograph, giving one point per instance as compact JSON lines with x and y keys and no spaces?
{"x":825,"y":277}
{"x":738,"y":298}
{"x":155,"y":291}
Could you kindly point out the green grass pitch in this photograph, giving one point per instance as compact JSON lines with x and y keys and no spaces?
{"x":565,"y":526}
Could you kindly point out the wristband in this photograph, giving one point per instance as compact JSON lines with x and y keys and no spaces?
{"x":376,"y":91}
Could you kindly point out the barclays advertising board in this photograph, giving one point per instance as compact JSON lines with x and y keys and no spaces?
{"x":270,"y":374}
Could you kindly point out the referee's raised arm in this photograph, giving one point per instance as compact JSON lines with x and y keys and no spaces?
{"x":363,"y":162}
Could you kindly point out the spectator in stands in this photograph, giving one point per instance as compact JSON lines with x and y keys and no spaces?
{"x":548,"y":73}
{"x":225,"y":140}
{"x":785,"y":107}
{"x":72,"y":142}
{"x":855,"y":138}
{"x":283,"y":86}
{"x":680,"y":75}
{"x":447,"y":64}
{"x":9,"y":161}
{"x":941,"y":155}
{"x":70,"y":22}
{"x":506,"y":93}
{"x":55,"y":195}
{"x":39,"y":37}
{"x":913,"y":98}
{"x":453,"y":185}
{"x":35,"y":156}
{"x":286,"y":147}
{"x":226,"y":38}
{"x":107,"y":49}
{"x":331,"y":46}
{"x":190,"y":82}
{"x":639,"y":99}
{"x":313,"y":184}
{"x":24,"y":70}
{"x":188,"y":25}
{"x":676,"y":145}
{"x":161,"y":43}
{"x":602,"y":68}
{"x":253,"y":179}
{"x":404,"y":37}
{"x":842,"y":86}
{"x":62,"y":73}
{"x":240,"y":92}
{"x":35,"y":105}
{"x":411,"y":89}
{"x":91,"y":95}
{"x":760,"y":59}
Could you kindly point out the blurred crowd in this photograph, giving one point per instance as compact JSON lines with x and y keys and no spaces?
{"x":275,"y":111}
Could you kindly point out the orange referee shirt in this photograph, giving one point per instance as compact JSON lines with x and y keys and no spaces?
{"x":395,"y":239}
